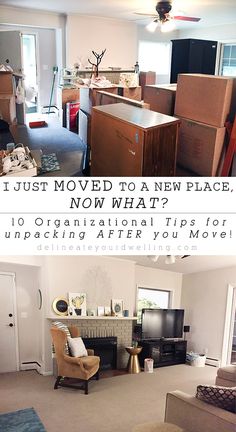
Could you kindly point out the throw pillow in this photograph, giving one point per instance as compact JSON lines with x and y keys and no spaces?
{"x":77,"y":347}
{"x":222,"y":397}
{"x":63,"y":327}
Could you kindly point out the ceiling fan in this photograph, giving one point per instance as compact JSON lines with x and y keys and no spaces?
{"x":169,"y":259}
{"x":165,"y":17}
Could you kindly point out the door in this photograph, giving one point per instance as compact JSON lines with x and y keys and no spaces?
{"x":11,"y":49}
{"x":232,"y":337}
{"x":8,"y":333}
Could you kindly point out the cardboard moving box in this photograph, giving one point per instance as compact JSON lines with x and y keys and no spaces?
{"x":88,"y":96}
{"x":200,"y":147}
{"x":161,"y":98}
{"x":8,"y":108}
{"x":7,"y":83}
{"x":131,"y":92}
{"x":31,"y":172}
{"x":204,"y":98}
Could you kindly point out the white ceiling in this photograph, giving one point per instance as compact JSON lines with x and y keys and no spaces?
{"x":191,"y":264}
{"x":212,"y":12}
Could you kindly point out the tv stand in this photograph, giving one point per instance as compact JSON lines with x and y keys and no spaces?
{"x":164,"y":352}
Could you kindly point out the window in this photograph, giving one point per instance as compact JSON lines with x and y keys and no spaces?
{"x":154,"y":56}
{"x":228,"y":60}
{"x":151,"y":298}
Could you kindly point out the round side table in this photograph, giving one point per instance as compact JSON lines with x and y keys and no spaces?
{"x":133,"y":363}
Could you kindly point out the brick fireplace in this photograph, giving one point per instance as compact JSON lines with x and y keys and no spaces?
{"x":98,"y":327}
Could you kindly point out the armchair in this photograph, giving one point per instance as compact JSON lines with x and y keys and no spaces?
{"x":75,"y":368}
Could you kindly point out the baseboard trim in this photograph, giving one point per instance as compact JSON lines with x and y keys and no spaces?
{"x":212,"y":362}
{"x":49,"y":373}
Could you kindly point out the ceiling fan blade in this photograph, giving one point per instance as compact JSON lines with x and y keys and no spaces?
{"x":186,"y":18}
{"x":184,"y":256}
{"x":146,"y":14}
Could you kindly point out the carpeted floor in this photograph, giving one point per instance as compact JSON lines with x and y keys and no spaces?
{"x":113,"y":405}
{"x":53,"y":138}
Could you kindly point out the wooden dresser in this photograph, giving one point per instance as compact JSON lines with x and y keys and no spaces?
{"x":130,"y":141}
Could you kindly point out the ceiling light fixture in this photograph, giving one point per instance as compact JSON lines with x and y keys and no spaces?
{"x":151,"y":27}
{"x":153,"y":258}
{"x":167,"y":26}
{"x":170,"y":259}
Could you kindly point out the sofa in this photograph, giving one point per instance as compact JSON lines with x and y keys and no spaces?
{"x":226,"y":376}
{"x":194,"y":415}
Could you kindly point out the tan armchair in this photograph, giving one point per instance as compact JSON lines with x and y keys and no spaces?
{"x":73,"y":368}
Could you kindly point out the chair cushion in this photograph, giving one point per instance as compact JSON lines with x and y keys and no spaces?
{"x":227,"y":373}
{"x":90,"y":361}
{"x":63,"y":327}
{"x":77,"y":347}
{"x":222,"y":397}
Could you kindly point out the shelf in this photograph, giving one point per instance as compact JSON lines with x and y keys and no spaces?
{"x":59,"y":317}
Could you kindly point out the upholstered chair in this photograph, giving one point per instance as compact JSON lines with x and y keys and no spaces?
{"x":73,"y":368}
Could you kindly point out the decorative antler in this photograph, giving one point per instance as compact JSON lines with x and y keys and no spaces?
{"x":98,"y":60}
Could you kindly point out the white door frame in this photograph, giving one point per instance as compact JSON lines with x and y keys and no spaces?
{"x":35,"y":34}
{"x":15,"y":315}
{"x":228,"y":329}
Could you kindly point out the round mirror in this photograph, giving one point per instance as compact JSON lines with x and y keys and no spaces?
{"x":60,"y":306}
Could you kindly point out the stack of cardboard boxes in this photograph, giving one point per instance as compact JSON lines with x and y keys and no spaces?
{"x":7,"y":97}
{"x":161,"y":98}
{"x":203,"y":103}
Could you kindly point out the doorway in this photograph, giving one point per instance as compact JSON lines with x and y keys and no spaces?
{"x":30,"y":72}
{"x":9,"y":359}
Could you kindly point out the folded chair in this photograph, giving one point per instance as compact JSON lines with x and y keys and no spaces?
{"x":73,"y":368}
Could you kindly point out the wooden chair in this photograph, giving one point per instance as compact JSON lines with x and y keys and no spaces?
{"x":73,"y":369}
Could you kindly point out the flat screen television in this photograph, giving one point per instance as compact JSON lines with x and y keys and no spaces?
{"x":162,"y":323}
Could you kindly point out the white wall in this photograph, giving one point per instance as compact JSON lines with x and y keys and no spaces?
{"x":153,"y":278}
{"x":30,"y":17}
{"x":85,"y":34}
{"x":216,"y":33}
{"x":204,"y":297}
{"x":32,"y":260}
{"x":38,"y":19}
{"x":102,"y":278}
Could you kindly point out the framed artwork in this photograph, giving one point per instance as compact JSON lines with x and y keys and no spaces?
{"x":60,"y":306}
{"x":107,"y":311}
{"x":77,"y":302}
{"x":100,"y":310}
{"x":117,"y":307}
{"x":93,"y":312}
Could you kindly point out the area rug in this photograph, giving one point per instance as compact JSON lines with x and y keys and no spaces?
{"x":25,"y":420}
{"x":49,"y":163}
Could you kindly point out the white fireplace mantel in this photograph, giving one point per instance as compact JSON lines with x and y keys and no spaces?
{"x":78,"y":317}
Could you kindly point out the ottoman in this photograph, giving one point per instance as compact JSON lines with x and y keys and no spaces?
{"x":226,"y":376}
{"x":157,"y":427}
